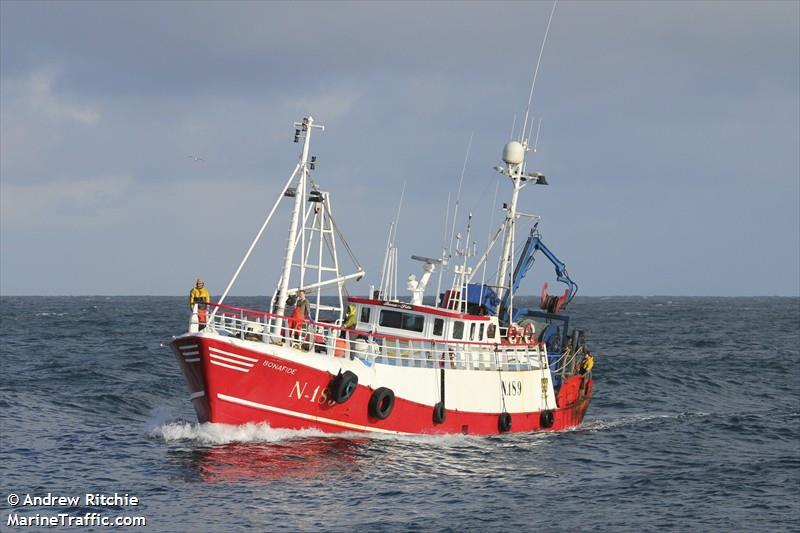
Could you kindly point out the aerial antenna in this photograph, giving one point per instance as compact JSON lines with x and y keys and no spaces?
{"x":389,"y":269}
{"x":538,"y":62}
{"x":530,"y":130}
{"x":446,"y":223}
{"x":466,"y":254}
{"x":458,"y":197}
{"x":444,"y":248}
{"x":393,"y":258}
{"x":399,"y":207}
{"x":513,"y":125}
{"x":536,"y":142}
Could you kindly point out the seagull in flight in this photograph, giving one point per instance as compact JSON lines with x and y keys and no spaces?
{"x":195,"y":158}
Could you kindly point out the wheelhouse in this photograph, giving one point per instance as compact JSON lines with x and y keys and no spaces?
{"x":419,"y":321}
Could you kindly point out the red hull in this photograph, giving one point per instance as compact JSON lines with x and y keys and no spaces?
{"x":246,"y":386}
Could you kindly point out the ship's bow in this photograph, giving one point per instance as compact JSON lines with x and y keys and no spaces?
{"x":187,"y":352}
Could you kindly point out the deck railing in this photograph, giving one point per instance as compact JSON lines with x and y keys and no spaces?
{"x":372,"y":347}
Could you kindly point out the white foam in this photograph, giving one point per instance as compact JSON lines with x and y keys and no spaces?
{"x":210,"y":433}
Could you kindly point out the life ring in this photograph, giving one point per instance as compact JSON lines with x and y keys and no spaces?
{"x":343,"y":386}
{"x":504,"y":422}
{"x":587,"y":387}
{"x":546,"y":419}
{"x":439,"y":413}
{"x":381,"y":403}
{"x":528,"y":334}
{"x":512,"y":335}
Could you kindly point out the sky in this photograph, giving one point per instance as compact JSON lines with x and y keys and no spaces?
{"x":669,"y":138}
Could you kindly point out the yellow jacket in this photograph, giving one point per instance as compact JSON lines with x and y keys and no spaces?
{"x":198,"y":296}
{"x":350,"y":317}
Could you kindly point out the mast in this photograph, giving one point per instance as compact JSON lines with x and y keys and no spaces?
{"x":514,"y":157}
{"x":299,"y":201}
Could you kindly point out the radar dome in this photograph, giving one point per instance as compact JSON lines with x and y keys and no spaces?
{"x":513,"y":153}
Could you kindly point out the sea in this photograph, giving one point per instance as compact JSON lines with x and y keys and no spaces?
{"x":694,"y":426}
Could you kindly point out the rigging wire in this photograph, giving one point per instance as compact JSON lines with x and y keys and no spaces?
{"x":500,"y":377}
{"x":489,"y":239}
{"x":339,"y":232}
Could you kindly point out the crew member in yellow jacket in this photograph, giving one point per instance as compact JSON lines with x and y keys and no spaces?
{"x":199,"y":295}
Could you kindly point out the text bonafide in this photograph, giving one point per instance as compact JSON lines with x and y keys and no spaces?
{"x":280,"y":368}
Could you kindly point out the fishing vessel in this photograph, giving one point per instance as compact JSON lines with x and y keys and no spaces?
{"x":465,"y":359}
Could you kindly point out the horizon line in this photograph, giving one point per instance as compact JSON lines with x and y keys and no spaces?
{"x":366,"y":296}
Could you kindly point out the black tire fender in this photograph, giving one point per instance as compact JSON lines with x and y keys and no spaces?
{"x":381,"y":403}
{"x":547,"y":419}
{"x":343,"y":385}
{"x":439,"y":413}
{"x":504,"y":422}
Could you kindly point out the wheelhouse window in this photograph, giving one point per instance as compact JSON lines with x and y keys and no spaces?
{"x":458,"y":329}
{"x":438,"y":327}
{"x":398,"y":320}
{"x":365,"y":315}
{"x":480,"y":333}
{"x":472,"y":331}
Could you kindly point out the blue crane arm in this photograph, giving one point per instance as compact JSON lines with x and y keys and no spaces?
{"x":525,"y":263}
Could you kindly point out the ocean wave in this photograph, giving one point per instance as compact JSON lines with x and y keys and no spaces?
{"x":634,"y":420}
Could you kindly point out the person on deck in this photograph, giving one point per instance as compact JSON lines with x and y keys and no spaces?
{"x":348,"y":324}
{"x":349,"y":320}
{"x":300,"y":314}
{"x":199,"y":295}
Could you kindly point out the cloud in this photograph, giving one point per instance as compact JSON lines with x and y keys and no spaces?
{"x":61,"y":203}
{"x":653,"y":112}
{"x":40,"y":128}
{"x":331,"y":104}
{"x":41,"y":96}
